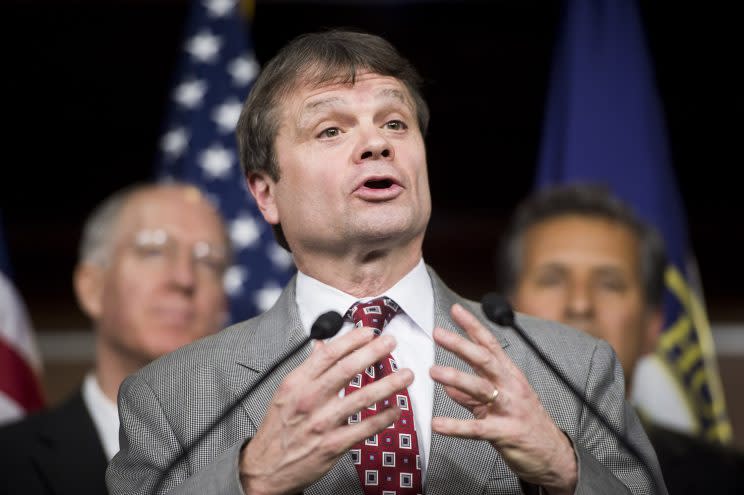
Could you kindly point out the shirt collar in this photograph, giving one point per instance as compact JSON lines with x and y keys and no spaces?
{"x":413,"y":293}
{"x":104,"y":413}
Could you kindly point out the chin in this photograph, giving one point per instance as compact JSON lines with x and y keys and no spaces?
{"x":168,"y":340}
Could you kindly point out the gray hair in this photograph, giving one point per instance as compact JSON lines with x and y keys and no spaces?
{"x":100,"y":226}
{"x":99,"y":230}
{"x":586,"y":200}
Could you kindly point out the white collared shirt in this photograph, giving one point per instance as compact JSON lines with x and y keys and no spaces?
{"x":104,"y":413}
{"x":411,"y":329}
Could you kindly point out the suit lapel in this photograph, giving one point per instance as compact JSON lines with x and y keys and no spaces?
{"x":278,"y":331}
{"x":456,"y":465}
{"x":68,"y":452}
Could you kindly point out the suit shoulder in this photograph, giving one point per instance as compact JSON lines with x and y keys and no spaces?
{"x":203,"y":353}
{"x":693,"y":465}
{"x":19,"y":432}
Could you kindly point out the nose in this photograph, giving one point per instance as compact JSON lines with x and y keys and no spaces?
{"x":182,"y":273}
{"x":374,"y":146}
{"x":579,"y":303}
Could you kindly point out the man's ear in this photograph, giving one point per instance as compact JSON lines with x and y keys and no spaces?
{"x":263,"y":189}
{"x":654,"y":325}
{"x":88,"y":282}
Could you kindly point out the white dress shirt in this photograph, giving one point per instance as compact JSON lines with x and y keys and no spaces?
{"x":411,"y":329}
{"x":104,"y":413}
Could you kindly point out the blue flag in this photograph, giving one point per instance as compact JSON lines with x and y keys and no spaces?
{"x":605,"y":123}
{"x":216,"y":73}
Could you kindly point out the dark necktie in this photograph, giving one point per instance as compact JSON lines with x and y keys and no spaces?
{"x":388,"y":463}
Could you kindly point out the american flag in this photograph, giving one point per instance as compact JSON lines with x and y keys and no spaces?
{"x":20,"y":362}
{"x":216,"y":72}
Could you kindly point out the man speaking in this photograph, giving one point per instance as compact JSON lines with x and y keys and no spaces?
{"x":418,"y":393}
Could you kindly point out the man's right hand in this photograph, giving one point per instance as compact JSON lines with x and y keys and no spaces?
{"x":305,"y":429}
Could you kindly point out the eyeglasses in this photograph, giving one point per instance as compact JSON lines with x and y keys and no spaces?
{"x":158,"y":245}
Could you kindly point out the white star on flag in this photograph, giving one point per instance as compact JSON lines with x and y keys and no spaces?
{"x":243,"y":70}
{"x":174,"y":142}
{"x":204,"y":47}
{"x":198,"y":145}
{"x":219,"y":8}
{"x":244,"y":232}
{"x":190,"y":93}
{"x":279,"y":256}
{"x":266,"y":297}
{"x":234,"y":278}
{"x":226,"y":115}
{"x":216,"y":161}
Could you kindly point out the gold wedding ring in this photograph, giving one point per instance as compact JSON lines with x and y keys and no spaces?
{"x":494,"y":394}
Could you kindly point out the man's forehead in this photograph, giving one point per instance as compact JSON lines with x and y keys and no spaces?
{"x":312,"y":95}
{"x":583,"y":240}
{"x":183,"y":208}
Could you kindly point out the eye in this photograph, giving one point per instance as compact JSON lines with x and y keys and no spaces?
{"x":550,"y":277}
{"x":150,"y":250}
{"x":209,"y":257}
{"x":396,"y":125}
{"x":613,"y":284}
{"x":331,"y":132}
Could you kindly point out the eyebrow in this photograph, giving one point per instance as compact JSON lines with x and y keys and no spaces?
{"x":392,"y":93}
{"x":315,"y":107}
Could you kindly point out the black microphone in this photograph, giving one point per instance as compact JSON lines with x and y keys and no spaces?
{"x":498,"y":310}
{"x":326,"y":326}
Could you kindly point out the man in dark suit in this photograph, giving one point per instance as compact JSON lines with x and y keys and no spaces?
{"x":577,"y":254}
{"x":331,"y":141}
{"x":150,"y":278}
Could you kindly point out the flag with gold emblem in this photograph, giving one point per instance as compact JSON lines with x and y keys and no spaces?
{"x":605,"y":123}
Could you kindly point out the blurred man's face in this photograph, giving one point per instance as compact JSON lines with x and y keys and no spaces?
{"x":161,"y":287}
{"x":585,"y":272}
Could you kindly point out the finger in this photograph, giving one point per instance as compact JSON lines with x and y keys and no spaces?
{"x":462,"y":428}
{"x":478,"y":357}
{"x":469,"y":390}
{"x":344,"y":437}
{"x":463,"y":399}
{"x":340,"y":409}
{"x":477,"y":332}
{"x":339,"y":375}
{"x":326,"y":354}
{"x":482,"y":335}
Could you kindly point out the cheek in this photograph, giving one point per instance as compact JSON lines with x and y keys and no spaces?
{"x":122,"y":299}
{"x":622,"y":323}
{"x":543,"y":304}
{"x":301,"y":193}
{"x":210,"y":307}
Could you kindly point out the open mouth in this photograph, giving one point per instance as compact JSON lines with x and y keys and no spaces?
{"x":378,"y":183}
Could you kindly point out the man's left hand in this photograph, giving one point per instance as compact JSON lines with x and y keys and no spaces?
{"x":507,"y":410}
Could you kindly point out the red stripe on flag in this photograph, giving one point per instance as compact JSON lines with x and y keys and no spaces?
{"x":18,"y":380}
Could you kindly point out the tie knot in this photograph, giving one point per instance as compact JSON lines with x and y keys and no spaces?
{"x":375,"y":313}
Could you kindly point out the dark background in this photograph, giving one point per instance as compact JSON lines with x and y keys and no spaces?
{"x":85,"y":89}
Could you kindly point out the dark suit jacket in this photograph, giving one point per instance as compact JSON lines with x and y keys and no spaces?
{"x":691,"y":465}
{"x":53,"y":452}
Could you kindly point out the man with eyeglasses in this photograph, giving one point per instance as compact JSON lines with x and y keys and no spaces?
{"x":149,"y":276}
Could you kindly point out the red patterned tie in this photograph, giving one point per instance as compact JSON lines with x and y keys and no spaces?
{"x":388,"y":463}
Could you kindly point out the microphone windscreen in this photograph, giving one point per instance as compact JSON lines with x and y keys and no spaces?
{"x":326,"y":326}
{"x":497,"y":309}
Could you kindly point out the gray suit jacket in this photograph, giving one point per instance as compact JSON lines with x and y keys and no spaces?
{"x":166,"y":405}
